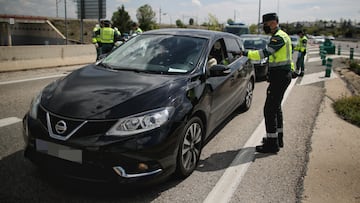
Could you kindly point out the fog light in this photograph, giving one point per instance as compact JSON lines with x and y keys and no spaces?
{"x":143,"y":167}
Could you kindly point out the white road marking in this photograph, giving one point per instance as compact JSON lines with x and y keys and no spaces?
{"x":316,"y":77}
{"x":230,"y":180}
{"x":9,"y":121}
{"x":31,"y":79}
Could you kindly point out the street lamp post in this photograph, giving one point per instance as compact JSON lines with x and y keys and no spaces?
{"x":259,"y":17}
{"x":66,"y":31}
{"x":57,"y":8}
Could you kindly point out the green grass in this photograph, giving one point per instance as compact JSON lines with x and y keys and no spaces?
{"x":349,"y":109}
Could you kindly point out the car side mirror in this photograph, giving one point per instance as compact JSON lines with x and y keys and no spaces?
{"x":219,"y":70}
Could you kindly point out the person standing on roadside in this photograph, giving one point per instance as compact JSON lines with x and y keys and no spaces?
{"x":108,"y":36}
{"x":279,"y":51}
{"x":96,"y":40}
{"x":135,"y":29}
{"x":301,"y":48}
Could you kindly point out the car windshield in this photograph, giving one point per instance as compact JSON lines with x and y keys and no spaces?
{"x":254,"y":43}
{"x":165,"y":54}
{"x":237,"y":30}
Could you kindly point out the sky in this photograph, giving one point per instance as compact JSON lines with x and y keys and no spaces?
{"x":246,"y":11}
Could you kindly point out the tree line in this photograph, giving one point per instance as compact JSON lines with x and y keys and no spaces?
{"x":146,"y":18}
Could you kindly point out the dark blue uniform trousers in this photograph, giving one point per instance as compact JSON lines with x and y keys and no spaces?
{"x":279,"y":80}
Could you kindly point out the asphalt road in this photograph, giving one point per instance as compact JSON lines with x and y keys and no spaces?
{"x":253,"y":177}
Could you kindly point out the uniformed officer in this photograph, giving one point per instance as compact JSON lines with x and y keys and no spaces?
{"x":135,"y":29}
{"x":301,"y":48}
{"x":107,"y":37}
{"x":279,"y":77}
{"x":96,"y":40}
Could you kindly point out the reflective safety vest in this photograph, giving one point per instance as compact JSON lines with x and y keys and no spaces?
{"x":138,"y":30}
{"x":107,"y":35}
{"x":96,"y":37}
{"x":281,"y":58}
{"x":301,"y":45}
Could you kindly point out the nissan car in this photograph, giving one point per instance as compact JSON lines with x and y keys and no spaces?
{"x":143,"y":112}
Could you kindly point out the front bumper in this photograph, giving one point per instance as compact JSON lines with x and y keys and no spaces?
{"x":145,"y":157}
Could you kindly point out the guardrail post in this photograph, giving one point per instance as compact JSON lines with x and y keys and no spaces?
{"x":323,"y":57}
{"x":339,"y":50}
{"x":351,"y":53}
{"x":328,"y":67}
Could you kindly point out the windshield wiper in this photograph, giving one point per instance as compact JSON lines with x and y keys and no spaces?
{"x":126,"y":69}
{"x":106,"y":65}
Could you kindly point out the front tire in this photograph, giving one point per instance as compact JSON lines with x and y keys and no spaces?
{"x":190,"y":147}
{"x":248,"y":96}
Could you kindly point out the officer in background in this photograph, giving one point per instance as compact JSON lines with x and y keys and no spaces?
{"x":301,"y":48}
{"x":135,"y":29}
{"x":96,"y":40}
{"x":117,"y":31}
{"x":279,"y":77}
{"x":107,"y":37}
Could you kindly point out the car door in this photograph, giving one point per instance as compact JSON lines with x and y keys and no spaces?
{"x":239,"y":71}
{"x":223,"y":87}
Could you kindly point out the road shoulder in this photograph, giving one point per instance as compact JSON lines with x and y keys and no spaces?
{"x":333,"y":169}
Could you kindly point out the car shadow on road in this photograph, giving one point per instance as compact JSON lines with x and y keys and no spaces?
{"x":223,"y":160}
{"x":22,"y":181}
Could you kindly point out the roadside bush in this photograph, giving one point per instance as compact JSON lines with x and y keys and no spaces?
{"x":349,"y":109}
{"x":355,"y":66}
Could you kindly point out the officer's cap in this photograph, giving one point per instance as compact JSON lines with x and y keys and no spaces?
{"x":270,"y":16}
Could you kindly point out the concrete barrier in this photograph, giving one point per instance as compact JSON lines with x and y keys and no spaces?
{"x":31,"y":57}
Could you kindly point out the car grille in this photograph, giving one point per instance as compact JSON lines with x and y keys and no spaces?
{"x":63,"y":128}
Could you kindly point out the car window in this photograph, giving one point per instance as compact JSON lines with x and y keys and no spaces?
{"x":218,"y":52}
{"x":157,"y":54}
{"x":233,"y":49}
{"x":254,"y":43}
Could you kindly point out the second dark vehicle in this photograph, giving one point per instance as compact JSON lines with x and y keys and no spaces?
{"x":256,"y":42}
{"x":143,"y":112}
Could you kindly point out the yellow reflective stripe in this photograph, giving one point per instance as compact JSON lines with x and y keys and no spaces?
{"x":282,"y":63}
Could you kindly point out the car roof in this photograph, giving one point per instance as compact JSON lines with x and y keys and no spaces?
{"x":209,"y":34}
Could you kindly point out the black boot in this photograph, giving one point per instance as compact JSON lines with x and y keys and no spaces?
{"x":270,"y":145}
{"x":281,"y":142}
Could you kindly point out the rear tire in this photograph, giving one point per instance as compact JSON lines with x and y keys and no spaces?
{"x":189,"y":148}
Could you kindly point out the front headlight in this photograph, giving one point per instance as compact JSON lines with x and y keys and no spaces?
{"x":141,"y":122}
{"x":35,"y":105}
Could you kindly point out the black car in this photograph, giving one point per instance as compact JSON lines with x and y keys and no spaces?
{"x":144,"y":111}
{"x":256,"y":42}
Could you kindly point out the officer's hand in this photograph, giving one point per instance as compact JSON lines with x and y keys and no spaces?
{"x":245,"y":53}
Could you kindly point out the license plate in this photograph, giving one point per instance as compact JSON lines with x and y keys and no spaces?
{"x":60,"y":151}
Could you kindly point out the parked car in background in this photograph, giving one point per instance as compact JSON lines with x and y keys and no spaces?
{"x":143,"y":112}
{"x":266,"y":37}
{"x":236,"y":28}
{"x":256,"y":42}
{"x":318,"y":39}
{"x":294,"y":41}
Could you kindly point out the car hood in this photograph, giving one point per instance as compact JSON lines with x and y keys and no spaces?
{"x":97,"y":93}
